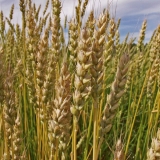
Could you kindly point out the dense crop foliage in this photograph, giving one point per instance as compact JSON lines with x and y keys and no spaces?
{"x":90,"y":98}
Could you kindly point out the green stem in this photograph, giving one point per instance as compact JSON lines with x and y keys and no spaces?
{"x":88,"y":135}
{"x":99,"y":146}
{"x":134,"y":118}
{"x":95,"y":120}
{"x":74,"y":137}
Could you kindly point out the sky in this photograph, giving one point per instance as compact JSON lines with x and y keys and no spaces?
{"x":131,"y":12}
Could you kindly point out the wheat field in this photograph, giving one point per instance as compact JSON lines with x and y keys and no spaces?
{"x":91,"y":98}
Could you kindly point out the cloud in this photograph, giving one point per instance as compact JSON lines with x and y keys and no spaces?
{"x":133,"y":13}
{"x":135,"y":7}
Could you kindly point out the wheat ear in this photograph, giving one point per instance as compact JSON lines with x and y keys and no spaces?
{"x":154,"y":152}
{"x":119,"y":154}
{"x":60,"y":122}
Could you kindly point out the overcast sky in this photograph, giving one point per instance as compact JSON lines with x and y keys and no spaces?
{"x":131,"y":12}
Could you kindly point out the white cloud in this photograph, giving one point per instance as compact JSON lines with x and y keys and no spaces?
{"x":135,"y":7}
